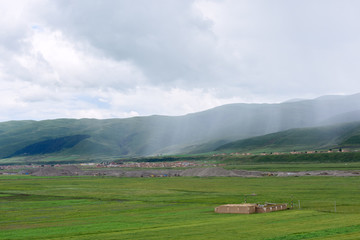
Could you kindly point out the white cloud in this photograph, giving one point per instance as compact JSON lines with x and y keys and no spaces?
{"x":52,"y":60}
{"x":151,"y":100}
{"x":123,"y":58}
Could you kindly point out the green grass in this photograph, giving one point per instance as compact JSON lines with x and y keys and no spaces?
{"x":334,"y":157}
{"x":295,"y":167}
{"x":56,"y":159}
{"x":176,"y":208}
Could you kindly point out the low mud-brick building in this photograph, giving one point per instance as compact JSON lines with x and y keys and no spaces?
{"x":249,"y":208}
{"x":236,"y":208}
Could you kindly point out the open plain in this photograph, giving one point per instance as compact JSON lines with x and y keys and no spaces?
{"x":101,"y":207}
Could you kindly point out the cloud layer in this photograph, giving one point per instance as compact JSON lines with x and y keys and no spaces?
{"x":113,"y":58}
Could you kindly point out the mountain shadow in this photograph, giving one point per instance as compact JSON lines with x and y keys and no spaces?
{"x":51,"y":145}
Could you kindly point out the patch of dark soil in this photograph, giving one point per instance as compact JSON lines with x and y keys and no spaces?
{"x":73,"y":170}
{"x":52,"y":171}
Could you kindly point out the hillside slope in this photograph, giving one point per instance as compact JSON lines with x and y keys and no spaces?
{"x":339,"y":135}
{"x":140,"y":136}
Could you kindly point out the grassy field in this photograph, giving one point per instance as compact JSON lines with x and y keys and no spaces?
{"x":294,"y":167}
{"x":176,"y":208}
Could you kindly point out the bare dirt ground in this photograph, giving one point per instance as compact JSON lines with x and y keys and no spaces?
{"x":191,"y":172}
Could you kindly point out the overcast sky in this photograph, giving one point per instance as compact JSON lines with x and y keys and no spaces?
{"x":123,"y":58}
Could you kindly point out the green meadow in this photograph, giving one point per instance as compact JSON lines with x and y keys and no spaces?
{"x":177,"y":208}
{"x":294,"y":167}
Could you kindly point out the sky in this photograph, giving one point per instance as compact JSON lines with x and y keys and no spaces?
{"x":124,"y":58}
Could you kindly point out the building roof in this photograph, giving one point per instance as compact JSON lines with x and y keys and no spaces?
{"x":240,"y":205}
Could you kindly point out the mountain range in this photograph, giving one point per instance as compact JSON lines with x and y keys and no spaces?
{"x":231,"y":126}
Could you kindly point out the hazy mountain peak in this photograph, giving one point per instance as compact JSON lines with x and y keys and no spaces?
{"x":295,"y":100}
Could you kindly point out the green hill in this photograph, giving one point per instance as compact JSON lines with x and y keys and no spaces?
{"x":339,"y":136}
{"x":196,"y":132}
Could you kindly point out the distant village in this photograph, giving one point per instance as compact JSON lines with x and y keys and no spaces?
{"x":15,"y":169}
{"x":177,"y":164}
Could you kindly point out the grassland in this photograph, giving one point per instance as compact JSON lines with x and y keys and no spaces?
{"x":294,"y":167}
{"x":176,"y":208}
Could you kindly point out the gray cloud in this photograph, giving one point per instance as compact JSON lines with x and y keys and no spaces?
{"x":103,"y":57}
{"x":170,"y":40}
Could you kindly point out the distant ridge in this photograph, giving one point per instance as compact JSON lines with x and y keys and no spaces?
{"x":195,"y":133}
{"x":315,"y":138}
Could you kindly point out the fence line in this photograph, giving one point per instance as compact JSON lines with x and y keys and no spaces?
{"x":334,"y":206}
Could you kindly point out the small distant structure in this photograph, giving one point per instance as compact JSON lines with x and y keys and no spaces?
{"x":246,"y":208}
{"x":271,"y":207}
{"x":249,"y":208}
